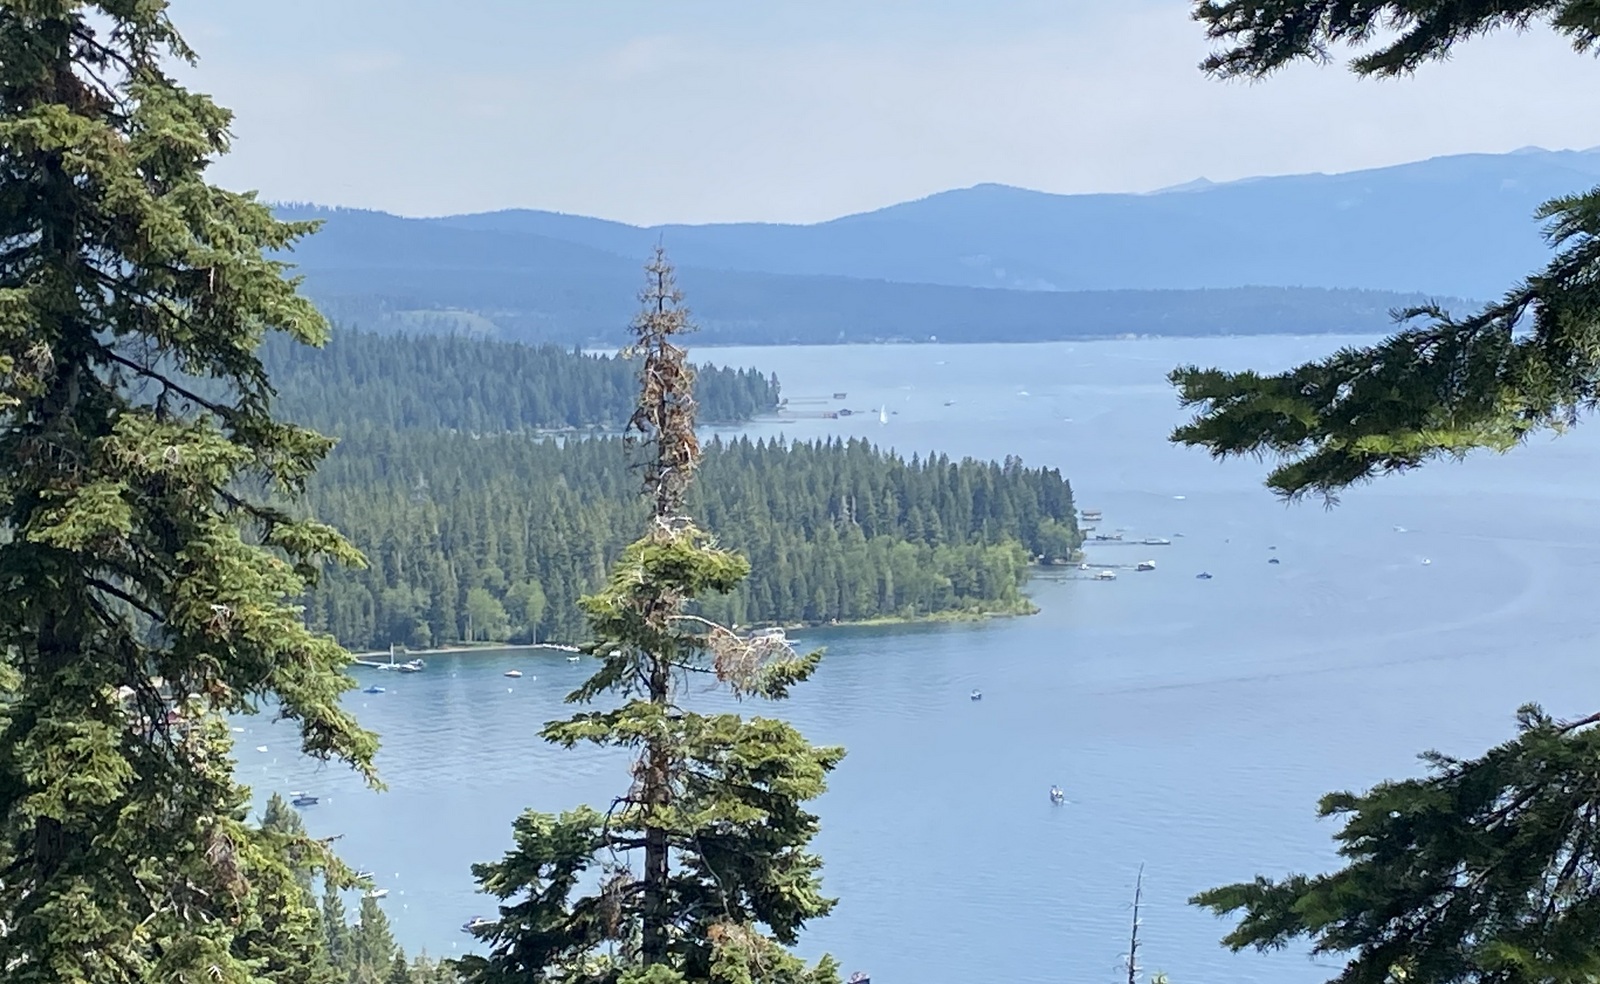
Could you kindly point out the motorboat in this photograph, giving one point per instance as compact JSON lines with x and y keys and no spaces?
{"x":304,"y":799}
{"x":859,"y":977}
{"x":475,"y":923}
{"x":1057,"y":796}
{"x":373,"y":690}
{"x":1203,"y":576}
{"x":378,"y":893}
{"x":573,"y":659}
{"x":412,"y":666}
{"x":363,"y":874}
{"x":1145,"y":565}
{"x":977,"y":695}
{"x":1156,"y":541}
{"x":1106,"y":576}
{"x":1272,"y":560}
{"x":514,"y":674}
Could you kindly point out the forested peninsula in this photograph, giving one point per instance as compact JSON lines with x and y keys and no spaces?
{"x":477,"y":526}
{"x":456,"y":382}
{"x":495,"y":538}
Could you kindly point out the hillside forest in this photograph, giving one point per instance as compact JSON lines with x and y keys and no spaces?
{"x":475,"y":529}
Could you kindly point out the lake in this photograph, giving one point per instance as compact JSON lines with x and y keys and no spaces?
{"x":1192,"y":723}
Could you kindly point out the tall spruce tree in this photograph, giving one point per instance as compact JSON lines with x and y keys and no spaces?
{"x":700,"y":870}
{"x":1484,"y":870}
{"x":372,"y":948}
{"x":145,"y":587}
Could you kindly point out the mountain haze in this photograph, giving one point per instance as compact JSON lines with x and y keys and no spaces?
{"x":1458,"y":225}
{"x":1299,"y":253}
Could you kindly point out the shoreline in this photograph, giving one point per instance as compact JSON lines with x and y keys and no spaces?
{"x":878,"y":621}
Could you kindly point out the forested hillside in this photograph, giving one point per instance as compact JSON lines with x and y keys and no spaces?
{"x":449,"y":382}
{"x":496,"y":537}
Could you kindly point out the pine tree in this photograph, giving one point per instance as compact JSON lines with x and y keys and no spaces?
{"x":290,"y":946}
{"x":336,"y":930}
{"x":146,"y":585}
{"x":1485,"y":870}
{"x":372,"y":947}
{"x":1482,"y":871}
{"x":714,"y":817}
{"x":1443,"y":385}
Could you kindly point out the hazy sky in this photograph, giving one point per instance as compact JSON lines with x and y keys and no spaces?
{"x":718,"y":110}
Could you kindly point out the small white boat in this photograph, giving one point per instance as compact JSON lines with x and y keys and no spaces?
{"x":378,"y":893}
{"x":1106,"y":576}
{"x":1057,"y":796}
{"x":1145,"y":565}
{"x":1426,"y":561}
{"x":573,"y":659}
{"x":514,"y":674}
{"x":475,"y":923}
{"x":977,"y":695}
{"x":261,"y":748}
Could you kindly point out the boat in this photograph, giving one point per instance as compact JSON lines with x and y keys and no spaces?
{"x":841,"y":396}
{"x":1057,"y":796}
{"x":373,"y":690}
{"x":859,"y":977}
{"x":261,"y":748}
{"x":1272,"y":560}
{"x":949,"y":403}
{"x":1156,"y":541}
{"x":1091,"y":515}
{"x":363,"y":874}
{"x":304,"y":799}
{"x":883,"y":414}
{"x":1203,"y":576}
{"x":1145,"y":565}
{"x":1106,"y":576}
{"x":475,"y":923}
{"x":378,"y":893}
{"x":977,"y":695}
{"x":514,"y":674}
{"x":1426,"y":562}
{"x":573,"y":659}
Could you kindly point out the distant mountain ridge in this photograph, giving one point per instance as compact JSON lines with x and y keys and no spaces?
{"x":1460,"y":225}
{"x":1298,"y":253}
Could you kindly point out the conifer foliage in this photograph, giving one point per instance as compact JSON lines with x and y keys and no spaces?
{"x":701,"y":867}
{"x":1443,"y":385}
{"x":1486,"y":870}
{"x":144,"y":591}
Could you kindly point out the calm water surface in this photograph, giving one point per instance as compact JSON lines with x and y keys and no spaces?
{"x":1193,"y":723}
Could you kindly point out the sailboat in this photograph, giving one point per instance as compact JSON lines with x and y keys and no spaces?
{"x":883,"y":414}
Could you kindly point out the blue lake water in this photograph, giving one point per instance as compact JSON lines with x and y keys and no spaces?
{"x":1192,"y":723}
